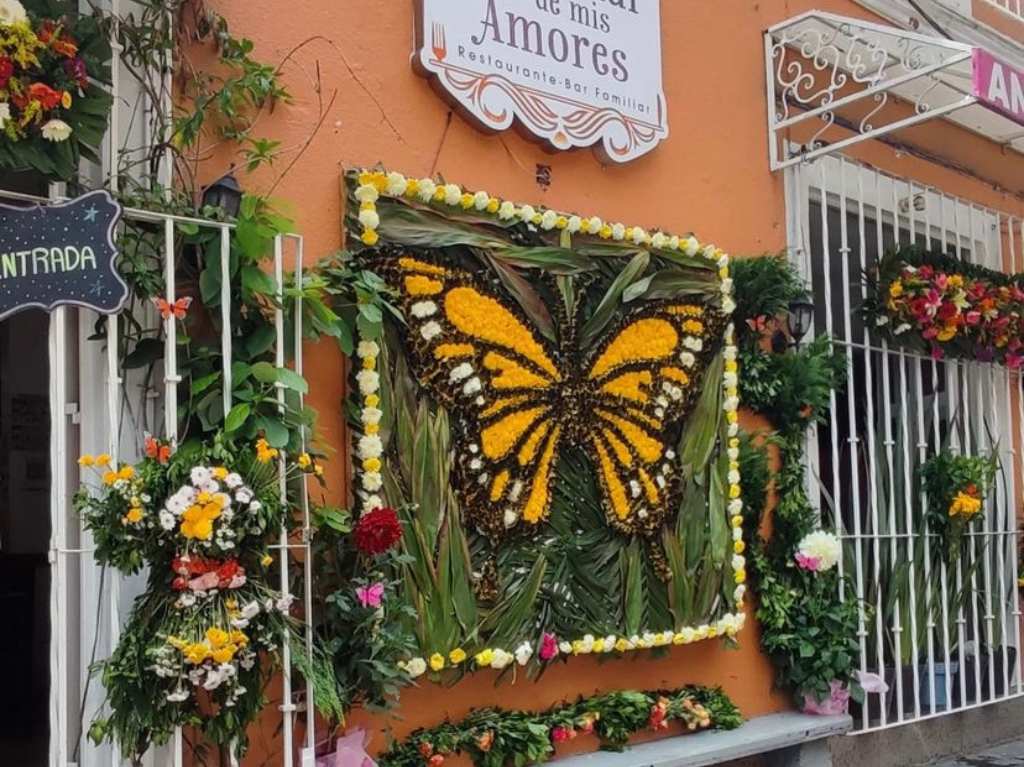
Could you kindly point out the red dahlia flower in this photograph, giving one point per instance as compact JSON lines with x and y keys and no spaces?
{"x":377,"y":531}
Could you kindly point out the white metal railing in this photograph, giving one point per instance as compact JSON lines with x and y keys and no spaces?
{"x":119,"y":433}
{"x":943,"y":634}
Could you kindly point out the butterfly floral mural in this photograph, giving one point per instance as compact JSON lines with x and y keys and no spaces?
{"x":547,"y":404}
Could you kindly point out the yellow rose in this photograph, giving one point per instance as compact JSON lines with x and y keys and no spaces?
{"x":224,"y":654}
{"x":456,"y":656}
{"x":304,"y":460}
{"x":217,"y":637}
{"x":437,"y":661}
{"x":370,"y":237}
{"x":484,"y":658}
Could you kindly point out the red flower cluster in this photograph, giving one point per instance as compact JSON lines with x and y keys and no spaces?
{"x":214,"y":573}
{"x":978,"y":317}
{"x":377,"y":531}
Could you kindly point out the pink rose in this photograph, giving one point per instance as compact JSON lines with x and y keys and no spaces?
{"x":205,"y":582}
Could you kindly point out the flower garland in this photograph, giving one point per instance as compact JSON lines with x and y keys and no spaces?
{"x":951,"y":307}
{"x":494,"y":736}
{"x":370,"y":447}
{"x":372,"y":184}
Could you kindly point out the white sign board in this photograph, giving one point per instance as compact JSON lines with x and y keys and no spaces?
{"x":572,"y":72}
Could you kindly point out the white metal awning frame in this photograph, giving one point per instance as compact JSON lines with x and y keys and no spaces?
{"x":818,"y":63}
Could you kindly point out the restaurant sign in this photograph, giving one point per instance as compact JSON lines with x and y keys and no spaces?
{"x":574,"y":73}
{"x":52,"y":255}
{"x":998,"y":85}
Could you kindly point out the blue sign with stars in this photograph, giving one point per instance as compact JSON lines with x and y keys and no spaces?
{"x":53,"y":255}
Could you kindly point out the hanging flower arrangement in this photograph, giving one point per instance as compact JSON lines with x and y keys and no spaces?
{"x":203,"y":639}
{"x":53,"y":108}
{"x":956,"y":486}
{"x":948,"y":307}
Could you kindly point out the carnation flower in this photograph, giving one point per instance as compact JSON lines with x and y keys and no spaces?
{"x":377,"y":531}
{"x":396,"y":184}
{"x":501,"y":659}
{"x":818,"y":551}
{"x":548,"y":220}
{"x":427,"y":189}
{"x":548,"y":646}
{"x":369,"y":218}
{"x":368,"y":381}
{"x":367,"y":193}
{"x":507,"y":210}
{"x":452,"y":194}
{"x":523,"y":653}
{"x":416,"y":667}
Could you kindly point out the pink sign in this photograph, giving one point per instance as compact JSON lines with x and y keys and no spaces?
{"x":998,"y":85}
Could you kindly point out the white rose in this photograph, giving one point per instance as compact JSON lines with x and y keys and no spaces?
{"x":480,"y":200}
{"x":526,"y":213}
{"x":618,"y":232}
{"x":733,"y":477}
{"x":687,"y":635}
{"x":369,"y":219}
{"x":548,"y":220}
{"x":396,"y":184}
{"x":367,"y":193}
{"x":574,"y":224}
{"x":738,"y":562}
{"x":729,"y":380}
{"x":452,"y":194}
{"x":427,"y":189}
{"x":731,"y":403}
{"x":371,"y":415}
{"x":594,"y":224}
{"x":372,"y":502}
{"x":710,"y":252}
{"x":727,"y":286}
{"x":507,"y":210}
{"x":565,"y":647}
{"x":501,"y":659}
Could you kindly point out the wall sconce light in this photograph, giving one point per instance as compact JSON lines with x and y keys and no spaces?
{"x":798,"y":322}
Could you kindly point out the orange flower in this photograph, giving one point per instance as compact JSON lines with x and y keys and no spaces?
{"x":47,"y":97}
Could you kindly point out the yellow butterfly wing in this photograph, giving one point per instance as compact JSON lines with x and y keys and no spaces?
{"x":643,"y":381}
{"x":476,"y":354}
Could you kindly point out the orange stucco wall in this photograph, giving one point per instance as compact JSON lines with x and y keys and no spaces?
{"x":711,"y":176}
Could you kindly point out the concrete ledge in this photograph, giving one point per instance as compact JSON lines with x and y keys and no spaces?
{"x":758,"y":736}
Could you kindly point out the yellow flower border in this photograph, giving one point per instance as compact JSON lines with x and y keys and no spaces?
{"x":372,"y":184}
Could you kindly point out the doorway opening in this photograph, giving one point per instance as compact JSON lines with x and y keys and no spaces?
{"x":24,"y":538}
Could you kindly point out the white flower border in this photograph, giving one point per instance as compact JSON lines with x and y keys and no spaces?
{"x":373,"y":184}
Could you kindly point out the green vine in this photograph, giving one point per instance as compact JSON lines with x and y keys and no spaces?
{"x":808,"y":631}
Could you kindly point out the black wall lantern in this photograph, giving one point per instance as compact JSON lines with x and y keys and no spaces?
{"x":224,"y":193}
{"x":798,"y":322}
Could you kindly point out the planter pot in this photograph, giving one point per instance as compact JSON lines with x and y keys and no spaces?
{"x":942,"y":672}
{"x":976,"y":667}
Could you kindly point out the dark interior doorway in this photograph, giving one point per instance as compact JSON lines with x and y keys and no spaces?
{"x":24,"y":539}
